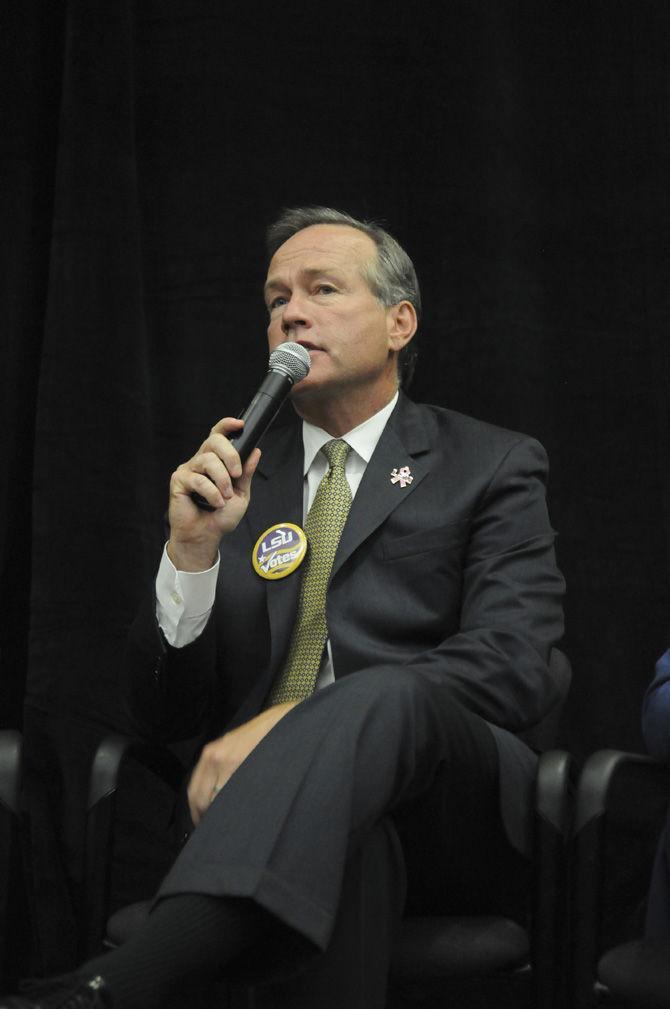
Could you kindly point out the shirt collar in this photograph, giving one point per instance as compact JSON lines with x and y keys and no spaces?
{"x":363,"y":439}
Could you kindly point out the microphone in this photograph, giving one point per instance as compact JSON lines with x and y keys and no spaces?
{"x":289,"y":363}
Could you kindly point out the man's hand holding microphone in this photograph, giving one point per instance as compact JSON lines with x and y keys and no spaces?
{"x":209,"y":494}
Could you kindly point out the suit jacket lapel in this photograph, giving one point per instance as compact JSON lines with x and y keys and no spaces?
{"x":277,"y":496}
{"x":404,"y":442}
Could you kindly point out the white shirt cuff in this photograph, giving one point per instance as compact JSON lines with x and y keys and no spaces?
{"x":184,"y":600}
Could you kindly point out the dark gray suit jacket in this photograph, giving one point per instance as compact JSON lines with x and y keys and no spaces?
{"x":452,"y":576}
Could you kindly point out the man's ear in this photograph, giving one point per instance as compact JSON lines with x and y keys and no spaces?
{"x":402,"y":324}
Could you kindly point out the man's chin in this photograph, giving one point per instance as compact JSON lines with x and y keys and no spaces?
{"x":311,"y":396}
{"x":309,"y":387}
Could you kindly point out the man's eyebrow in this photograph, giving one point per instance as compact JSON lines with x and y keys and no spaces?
{"x":273,"y":283}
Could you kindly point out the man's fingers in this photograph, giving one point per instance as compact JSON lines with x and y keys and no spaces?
{"x":194,"y":806}
{"x":221,"y":757}
{"x":210,"y":464}
{"x":243,"y":484}
{"x":187,"y":479}
{"x":201,"y":791}
{"x":218,"y":461}
{"x":228,"y":424}
{"x":203,"y":486}
{"x":194,"y":812}
{"x":219,"y":446}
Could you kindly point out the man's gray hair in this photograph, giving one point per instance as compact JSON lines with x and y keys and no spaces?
{"x":391,"y":275}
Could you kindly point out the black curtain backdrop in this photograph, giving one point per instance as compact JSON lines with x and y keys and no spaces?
{"x":519,"y":150}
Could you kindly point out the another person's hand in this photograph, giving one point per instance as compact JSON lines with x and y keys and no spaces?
{"x":216,"y":474}
{"x":221,"y":758}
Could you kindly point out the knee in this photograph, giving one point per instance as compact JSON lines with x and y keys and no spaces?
{"x":388,"y":687}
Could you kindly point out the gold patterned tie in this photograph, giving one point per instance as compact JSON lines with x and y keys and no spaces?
{"x":323,"y":529}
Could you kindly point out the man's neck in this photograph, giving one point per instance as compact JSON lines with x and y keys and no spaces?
{"x":340,"y":415}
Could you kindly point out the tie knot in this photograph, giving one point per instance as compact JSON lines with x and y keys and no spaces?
{"x":336,"y":453}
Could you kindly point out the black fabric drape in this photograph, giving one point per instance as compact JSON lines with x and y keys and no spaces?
{"x":518,"y":150}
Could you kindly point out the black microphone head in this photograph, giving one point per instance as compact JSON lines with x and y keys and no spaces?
{"x":290,"y":359}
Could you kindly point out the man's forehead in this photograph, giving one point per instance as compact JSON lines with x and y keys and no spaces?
{"x":324,"y":243}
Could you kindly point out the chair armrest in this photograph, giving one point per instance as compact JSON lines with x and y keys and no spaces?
{"x":10,"y":769}
{"x":607,"y":781}
{"x":10,"y":861}
{"x":108,"y":761}
{"x":552,"y":818}
{"x":552,"y":791}
{"x":610,"y":779}
{"x":109,"y":758}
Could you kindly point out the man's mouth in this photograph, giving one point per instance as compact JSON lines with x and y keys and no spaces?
{"x":309,"y":346}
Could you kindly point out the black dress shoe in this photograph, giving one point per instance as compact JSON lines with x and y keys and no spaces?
{"x":67,"y":992}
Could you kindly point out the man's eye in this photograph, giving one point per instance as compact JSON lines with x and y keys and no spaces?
{"x":325,"y":289}
{"x":277,"y":302}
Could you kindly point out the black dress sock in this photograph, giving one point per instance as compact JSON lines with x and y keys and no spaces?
{"x":187,"y":938}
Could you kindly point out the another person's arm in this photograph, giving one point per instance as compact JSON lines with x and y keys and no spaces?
{"x":656,"y":711}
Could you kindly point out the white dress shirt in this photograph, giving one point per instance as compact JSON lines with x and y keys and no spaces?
{"x":184,"y":599}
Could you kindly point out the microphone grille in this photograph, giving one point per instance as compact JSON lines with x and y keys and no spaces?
{"x":291,"y":360}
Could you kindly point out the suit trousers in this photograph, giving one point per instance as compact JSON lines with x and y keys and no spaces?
{"x":378,"y":792}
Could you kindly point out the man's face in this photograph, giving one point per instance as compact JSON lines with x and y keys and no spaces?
{"x":317,"y":295}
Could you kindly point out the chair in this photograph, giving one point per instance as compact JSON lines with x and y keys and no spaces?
{"x":432,"y":952}
{"x":465,"y":956}
{"x":10,"y":862}
{"x":621,"y":803}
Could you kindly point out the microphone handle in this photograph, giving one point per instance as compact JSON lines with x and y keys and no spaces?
{"x":257,"y":418}
{"x":260,"y":413}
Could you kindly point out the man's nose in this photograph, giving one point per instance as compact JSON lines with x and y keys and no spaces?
{"x":294,"y":315}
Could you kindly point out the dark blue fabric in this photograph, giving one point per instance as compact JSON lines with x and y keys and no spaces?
{"x":657,"y":925}
{"x":656,"y":729}
{"x":656,"y":711}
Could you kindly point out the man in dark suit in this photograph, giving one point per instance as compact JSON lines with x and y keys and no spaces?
{"x":397,"y":770}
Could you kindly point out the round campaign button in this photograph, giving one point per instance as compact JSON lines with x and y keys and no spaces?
{"x":279,"y":551}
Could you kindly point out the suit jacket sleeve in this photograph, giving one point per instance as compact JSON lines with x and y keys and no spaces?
{"x":168,"y":692}
{"x":497,"y":661}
